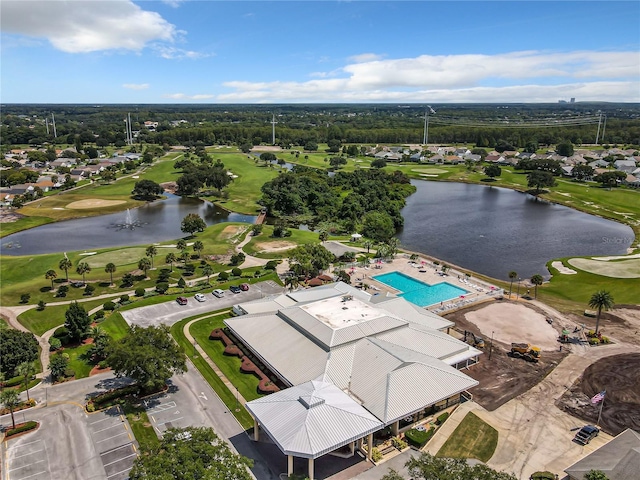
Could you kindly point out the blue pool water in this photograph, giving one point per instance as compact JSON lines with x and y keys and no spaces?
{"x":420,"y":293}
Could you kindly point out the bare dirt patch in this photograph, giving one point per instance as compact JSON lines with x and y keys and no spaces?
{"x":7,"y":216}
{"x":93,"y":203}
{"x":515,"y":322}
{"x":619,"y":376}
{"x":502,"y":377}
{"x":274,"y":246}
{"x":230,"y":231}
{"x":621,"y":324}
{"x":616,"y":269}
{"x":266,"y":148}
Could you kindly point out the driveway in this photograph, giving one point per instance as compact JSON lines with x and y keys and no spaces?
{"x":170,"y":312}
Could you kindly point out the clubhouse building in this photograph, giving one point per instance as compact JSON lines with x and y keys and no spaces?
{"x":351,"y":364}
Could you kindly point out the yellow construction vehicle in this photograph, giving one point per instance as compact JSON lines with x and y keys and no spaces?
{"x":474,"y":340}
{"x":529,"y":352}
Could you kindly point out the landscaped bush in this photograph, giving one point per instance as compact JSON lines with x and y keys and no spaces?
{"x":125,"y":298}
{"x":441,"y":418}
{"x":89,"y":289}
{"x":376,"y":456}
{"x":41,"y":305}
{"x":223,"y":276}
{"x":61,"y":332}
{"x":69,"y":372}
{"x":54,"y":344}
{"x":271,"y":265}
{"x":24,"y":298}
{"x":418,"y":438}
{"x":98,"y":315}
{"x":110,"y":398}
{"x":139,"y":292}
{"x":543,"y":476}
{"x":31,"y":425}
{"x":109,"y":306}
{"x":399,"y":443}
{"x":12,"y":382}
{"x":162,"y":287}
{"x":236,"y":272}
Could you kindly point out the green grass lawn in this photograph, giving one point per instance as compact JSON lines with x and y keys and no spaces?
{"x":40,"y":321}
{"x":78,"y":361}
{"x":473,"y":438}
{"x":115,"y":326}
{"x":259,"y":243}
{"x":141,"y":427}
{"x":210,"y":376}
{"x":246,"y":384}
{"x":23,"y":223}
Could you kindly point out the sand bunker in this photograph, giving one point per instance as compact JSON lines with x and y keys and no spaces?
{"x":230,"y":231}
{"x":511,"y":322}
{"x":274,"y":246}
{"x":616,"y":269}
{"x":562,"y":269}
{"x":429,"y":170}
{"x":94,"y":203}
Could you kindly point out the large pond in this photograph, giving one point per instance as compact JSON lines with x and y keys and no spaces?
{"x":495,"y":230}
{"x":155,"y":222}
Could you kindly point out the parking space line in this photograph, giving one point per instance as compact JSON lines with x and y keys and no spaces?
{"x":115,"y":436}
{"x":117,"y":448}
{"x":29,"y":476}
{"x":120,"y":459}
{"x":98,"y":421}
{"x":30,"y":453}
{"x":172,"y":420}
{"x":25,"y":444}
{"x":24,"y":466}
{"x":118,"y":473}
{"x":108,"y":428}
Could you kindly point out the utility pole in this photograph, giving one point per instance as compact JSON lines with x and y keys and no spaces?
{"x":425,"y":138}
{"x":273,"y":130}
{"x":604,"y":127}
{"x":598,"y":134}
{"x":55,"y":132}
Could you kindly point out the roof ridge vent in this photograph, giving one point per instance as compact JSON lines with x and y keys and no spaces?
{"x":310,"y":401}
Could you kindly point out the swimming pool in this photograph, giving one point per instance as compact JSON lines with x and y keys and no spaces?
{"x":420,"y":293}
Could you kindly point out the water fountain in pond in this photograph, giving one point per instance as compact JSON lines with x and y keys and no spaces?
{"x":129,"y":223}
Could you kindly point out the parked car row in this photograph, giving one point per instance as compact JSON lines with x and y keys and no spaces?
{"x":243,"y":287}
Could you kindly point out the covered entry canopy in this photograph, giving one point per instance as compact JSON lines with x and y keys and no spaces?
{"x":312,"y":419}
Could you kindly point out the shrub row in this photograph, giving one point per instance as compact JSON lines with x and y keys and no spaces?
{"x":30,"y":425}
{"x":441,"y":418}
{"x":419,"y":438}
{"x":12,"y":382}
{"x":104,"y":398}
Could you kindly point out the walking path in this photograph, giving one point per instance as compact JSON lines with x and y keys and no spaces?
{"x":211,"y":363}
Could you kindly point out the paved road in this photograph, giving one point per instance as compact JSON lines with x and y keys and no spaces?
{"x":168,"y":313}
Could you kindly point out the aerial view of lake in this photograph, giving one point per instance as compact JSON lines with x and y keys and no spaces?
{"x":155,"y":222}
{"x":496,"y":230}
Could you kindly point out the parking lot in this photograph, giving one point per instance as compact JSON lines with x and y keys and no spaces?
{"x":171,"y":312}
{"x":166,"y":414}
{"x":71,"y":444}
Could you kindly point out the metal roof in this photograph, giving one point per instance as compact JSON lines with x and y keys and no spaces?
{"x":326,"y":291}
{"x":281,"y":347}
{"x":399,"y":307}
{"x":312,"y":419}
{"x":425,"y":340}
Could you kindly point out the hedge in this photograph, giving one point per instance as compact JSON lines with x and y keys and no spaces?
{"x":418,"y":438}
{"x":13,"y":382}
{"x":543,"y":476}
{"x":30,"y":425}
{"x":441,"y":418}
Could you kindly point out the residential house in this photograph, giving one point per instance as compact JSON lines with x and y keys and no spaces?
{"x":494,"y":158}
{"x":626,"y":166}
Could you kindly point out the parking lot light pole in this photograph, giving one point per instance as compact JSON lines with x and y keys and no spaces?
{"x":237,"y":401}
{"x":518,"y":294}
{"x":491,"y":345}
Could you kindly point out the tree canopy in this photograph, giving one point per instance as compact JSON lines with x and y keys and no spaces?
{"x":147,"y":190}
{"x":191,"y":453}
{"x":147,"y":355}
{"x":429,"y":467}
{"x":192,"y":223}
{"x":77,"y":321}
{"x":539,"y":180}
{"x":16,"y":347}
{"x":309,"y":259}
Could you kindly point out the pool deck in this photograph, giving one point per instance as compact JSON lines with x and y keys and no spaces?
{"x":425,"y":271}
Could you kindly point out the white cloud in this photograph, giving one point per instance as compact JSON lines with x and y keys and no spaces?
{"x":173,"y":3}
{"x":365,"y":57}
{"x":182,"y":96}
{"x":87,"y":25}
{"x":172,"y":53}
{"x":529,"y":76}
{"x":136,"y":86}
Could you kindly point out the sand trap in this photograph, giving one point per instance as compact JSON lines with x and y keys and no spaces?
{"x":616,"y":257}
{"x":88,"y":253}
{"x":274,"y":246}
{"x":619,"y":269}
{"x":94,"y":203}
{"x":429,"y":170}
{"x":230,"y":230}
{"x":514,"y":323}
{"x":562,"y":269}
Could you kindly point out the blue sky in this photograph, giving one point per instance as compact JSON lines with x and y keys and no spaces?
{"x":195,"y":51}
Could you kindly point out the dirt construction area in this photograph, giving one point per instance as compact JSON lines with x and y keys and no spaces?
{"x":619,"y":375}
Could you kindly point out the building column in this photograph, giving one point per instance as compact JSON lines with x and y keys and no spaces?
{"x":369,"y":446}
{"x":256,"y":430}
{"x":395,"y":428}
{"x":311,"y":469}
{"x":352,"y":447}
{"x":289,"y":465}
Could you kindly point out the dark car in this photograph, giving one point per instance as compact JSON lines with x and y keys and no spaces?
{"x":244,"y":287}
{"x":586,"y":434}
{"x":181,"y":300}
{"x":235,"y":289}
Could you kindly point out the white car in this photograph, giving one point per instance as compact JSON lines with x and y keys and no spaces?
{"x":199,"y":297}
{"x":218,"y":293}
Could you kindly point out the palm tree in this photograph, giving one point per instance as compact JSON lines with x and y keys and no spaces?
{"x":208,"y":271}
{"x":323,"y":236}
{"x":601,"y":299}
{"x":25,"y":370}
{"x":151,"y":252}
{"x":393,"y":243}
{"x":82,"y":269}
{"x":51,"y":275}
{"x":536,"y":280}
{"x":110,"y":268}
{"x":65,"y":264}
{"x":367,"y":244}
{"x":144,"y":264}
{"x":9,"y":398}
{"x":198,"y":246}
{"x":184,"y":256}
{"x":512,"y":276}
{"x":291,"y":282}
{"x":181,"y":245}
{"x":170,"y":259}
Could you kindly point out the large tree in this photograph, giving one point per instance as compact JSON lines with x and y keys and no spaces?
{"x":170,"y":259}
{"x":16,"y":347}
{"x":537,"y":280}
{"x":192,"y":223}
{"x":110,"y":268}
{"x":51,"y":275}
{"x":77,"y":321}
{"x":492,"y":171}
{"x":539,"y":179}
{"x":26,"y":371}
{"x":147,"y":190}
{"x":144,"y":264}
{"x":82,"y":269}
{"x":65,"y":264}
{"x":9,"y":397}
{"x":601,"y":300}
{"x":429,"y":467}
{"x":378,"y":226}
{"x":151,"y":252}
{"x":309,"y":259}
{"x":147,"y":355}
{"x":191,"y":453}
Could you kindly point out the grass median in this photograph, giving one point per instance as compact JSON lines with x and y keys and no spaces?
{"x":473,"y":438}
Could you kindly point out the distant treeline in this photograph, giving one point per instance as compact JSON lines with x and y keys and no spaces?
{"x":482,"y":125}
